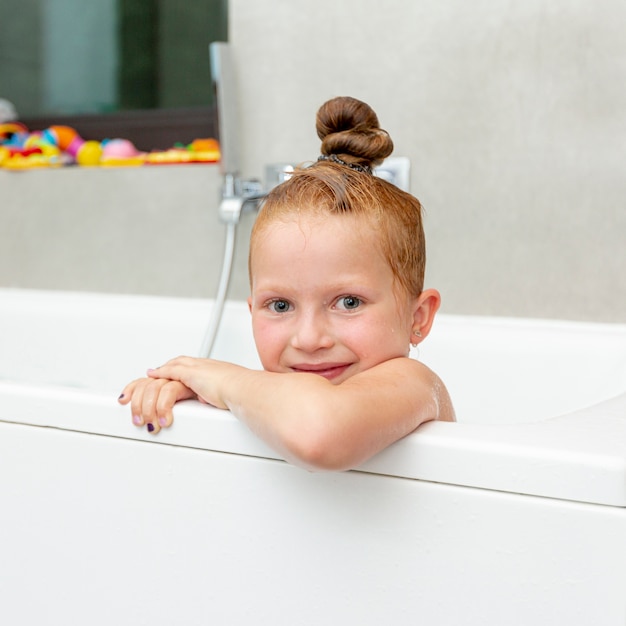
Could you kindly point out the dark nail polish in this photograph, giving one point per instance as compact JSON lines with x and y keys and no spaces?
{"x":121,"y":396}
{"x":150,"y":427}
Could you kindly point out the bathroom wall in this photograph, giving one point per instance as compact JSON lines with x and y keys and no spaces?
{"x":148,"y":230}
{"x":513,"y":116}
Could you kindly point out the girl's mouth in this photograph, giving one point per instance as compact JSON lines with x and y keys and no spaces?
{"x":330,"y":371}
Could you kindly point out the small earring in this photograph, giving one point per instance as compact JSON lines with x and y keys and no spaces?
{"x":417,"y":333}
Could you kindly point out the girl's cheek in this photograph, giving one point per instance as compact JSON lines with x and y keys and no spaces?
{"x":270,"y":343}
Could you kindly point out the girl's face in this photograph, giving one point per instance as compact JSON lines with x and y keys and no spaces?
{"x":323,"y":299}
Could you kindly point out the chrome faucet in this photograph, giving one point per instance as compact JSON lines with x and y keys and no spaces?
{"x":237,"y":194}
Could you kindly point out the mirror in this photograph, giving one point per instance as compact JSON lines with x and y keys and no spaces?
{"x":70,"y":59}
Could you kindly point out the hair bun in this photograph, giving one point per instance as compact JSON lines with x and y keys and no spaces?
{"x":350,"y":130}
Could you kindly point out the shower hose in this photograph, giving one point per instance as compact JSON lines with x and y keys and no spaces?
{"x":208,"y":343}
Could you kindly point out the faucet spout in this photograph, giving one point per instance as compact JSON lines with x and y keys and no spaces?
{"x":238,"y":195}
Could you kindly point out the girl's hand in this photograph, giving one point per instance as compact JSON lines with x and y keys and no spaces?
{"x":205,"y":377}
{"x":151,"y":401}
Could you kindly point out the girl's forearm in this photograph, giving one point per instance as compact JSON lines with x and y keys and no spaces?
{"x":318,"y":425}
{"x":307,"y":419}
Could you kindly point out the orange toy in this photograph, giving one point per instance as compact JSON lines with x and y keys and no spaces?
{"x":64,"y":136}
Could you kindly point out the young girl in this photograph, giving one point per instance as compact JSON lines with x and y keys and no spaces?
{"x":336,"y":272}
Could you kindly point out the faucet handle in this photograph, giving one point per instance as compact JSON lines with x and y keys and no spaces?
{"x":246,"y":192}
{"x":251,"y":187}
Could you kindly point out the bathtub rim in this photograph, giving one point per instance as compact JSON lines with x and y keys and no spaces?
{"x":584,"y":462}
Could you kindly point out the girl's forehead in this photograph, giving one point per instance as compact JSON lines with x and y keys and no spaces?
{"x":338,"y":226}
{"x":316,"y":236}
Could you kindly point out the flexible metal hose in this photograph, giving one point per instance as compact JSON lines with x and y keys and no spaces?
{"x":208,"y":343}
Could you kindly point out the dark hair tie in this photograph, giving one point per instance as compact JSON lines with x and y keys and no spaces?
{"x":353,"y":166}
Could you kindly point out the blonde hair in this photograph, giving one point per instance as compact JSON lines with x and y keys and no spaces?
{"x":352,"y":144}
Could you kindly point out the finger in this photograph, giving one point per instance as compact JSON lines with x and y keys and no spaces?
{"x":169,"y":393}
{"x":127,"y":392}
{"x":168,"y":396}
{"x":153,"y":428}
{"x":149,"y":403}
{"x":143,"y":400}
{"x":175,"y":369}
{"x":136,"y":401}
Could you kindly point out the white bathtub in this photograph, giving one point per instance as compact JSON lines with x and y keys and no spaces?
{"x":514,"y":515}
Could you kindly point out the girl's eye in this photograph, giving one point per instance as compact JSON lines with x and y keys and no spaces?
{"x":348,"y":303}
{"x":279,"y":306}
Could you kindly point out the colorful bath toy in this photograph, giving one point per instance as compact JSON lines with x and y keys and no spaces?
{"x":121,"y":153}
{"x":64,"y":135}
{"x":62,"y":145}
{"x":198,"y":151}
{"x":30,"y":161}
{"x":84,"y":152}
{"x":11,"y":128}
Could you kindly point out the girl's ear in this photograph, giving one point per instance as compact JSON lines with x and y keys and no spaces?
{"x":426,"y":306}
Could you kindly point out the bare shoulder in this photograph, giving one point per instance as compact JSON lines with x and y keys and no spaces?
{"x":411,"y":379}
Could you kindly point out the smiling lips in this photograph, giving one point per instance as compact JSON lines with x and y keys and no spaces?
{"x":330,"y":371}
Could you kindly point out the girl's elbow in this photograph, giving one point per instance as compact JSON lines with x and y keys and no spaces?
{"x":320,"y":451}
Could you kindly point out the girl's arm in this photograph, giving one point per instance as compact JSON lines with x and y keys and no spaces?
{"x":310,"y":421}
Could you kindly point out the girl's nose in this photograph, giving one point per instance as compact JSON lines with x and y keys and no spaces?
{"x":311,"y":333}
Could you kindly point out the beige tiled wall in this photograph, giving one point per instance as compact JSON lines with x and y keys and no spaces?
{"x":513,"y":116}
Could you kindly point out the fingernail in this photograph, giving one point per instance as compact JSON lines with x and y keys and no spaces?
{"x":162,"y":421}
{"x":137,"y":420}
{"x":150,"y":428}
{"x":121,"y":396}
